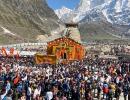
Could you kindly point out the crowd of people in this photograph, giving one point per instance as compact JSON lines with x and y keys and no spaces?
{"x":78,"y":80}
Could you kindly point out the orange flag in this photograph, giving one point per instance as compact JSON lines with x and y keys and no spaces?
{"x":11,"y":51}
{"x":3,"y":50}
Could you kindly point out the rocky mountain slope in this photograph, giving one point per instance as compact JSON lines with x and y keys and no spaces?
{"x":103,"y":31}
{"x":24,"y":20}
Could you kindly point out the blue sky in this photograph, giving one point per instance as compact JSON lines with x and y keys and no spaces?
{"x":56,"y":4}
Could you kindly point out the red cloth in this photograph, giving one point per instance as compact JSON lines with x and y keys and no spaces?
{"x":105,"y":90}
{"x":16,"y":80}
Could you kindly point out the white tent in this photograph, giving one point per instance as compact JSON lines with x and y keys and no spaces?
{"x":108,"y":57}
{"x":27,"y":53}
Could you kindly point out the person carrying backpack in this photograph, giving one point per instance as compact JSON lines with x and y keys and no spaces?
{"x":105,"y":90}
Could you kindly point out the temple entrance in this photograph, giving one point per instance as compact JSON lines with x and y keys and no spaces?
{"x":65,"y":56}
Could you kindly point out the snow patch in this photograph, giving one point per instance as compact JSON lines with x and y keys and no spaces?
{"x":64,"y":10}
{"x":105,"y":14}
{"x":118,"y":6}
{"x":42,"y":18}
{"x":6,"y":31}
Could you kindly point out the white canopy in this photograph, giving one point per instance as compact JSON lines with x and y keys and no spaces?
{"x":27,"y":53}
{"x":108,"y":57}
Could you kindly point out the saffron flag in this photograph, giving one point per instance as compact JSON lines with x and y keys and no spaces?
{"x":3,"y":50}
{"x":11,"y":51}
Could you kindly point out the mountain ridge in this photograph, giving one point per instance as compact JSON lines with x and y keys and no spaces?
{"x":114,"y":13}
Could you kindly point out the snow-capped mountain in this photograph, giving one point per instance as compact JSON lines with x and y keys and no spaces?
{"x":113,"y":11}
{"x":63,"y":11}
{"x":84,"y":6}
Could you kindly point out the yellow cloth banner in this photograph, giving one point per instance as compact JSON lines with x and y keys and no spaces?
{"x":41,"y":59}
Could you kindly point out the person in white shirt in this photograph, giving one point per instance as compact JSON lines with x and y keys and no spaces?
{"x":25,"y":78}
{"x":37,"y":91}
{"x":49,"y":95}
